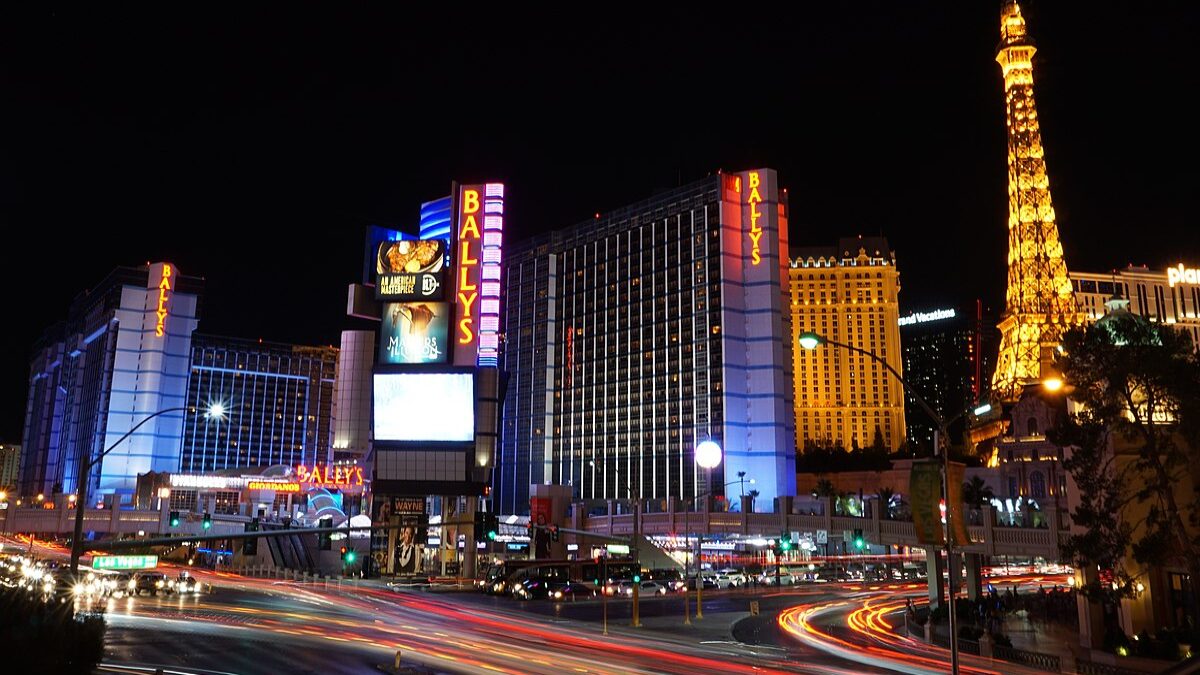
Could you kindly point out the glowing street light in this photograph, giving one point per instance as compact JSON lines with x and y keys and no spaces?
{"x":708,"y":454}
{"x":983,"y":409}
{"x":810,"y":340}
{"x":1052,"y":383}
{"x":215,"y":410}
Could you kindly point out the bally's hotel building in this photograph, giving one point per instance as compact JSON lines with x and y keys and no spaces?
{"x":633,"y":336}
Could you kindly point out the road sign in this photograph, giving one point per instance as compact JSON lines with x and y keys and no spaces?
{"x":822,"y":536}
{"x":124,"y":562}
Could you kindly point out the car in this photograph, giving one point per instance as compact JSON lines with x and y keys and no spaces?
{"x":532,"y":589}
{"x":728,"y":580}
{"x":572,"y":590}
{"x":672,"y":579}
{"x":708,"y":581}
{"x":737,"y":577}
{"x":646,"y":588}
{"x":782,"y":579}
{"x":150,"y":582}
{"x":186,"y":583}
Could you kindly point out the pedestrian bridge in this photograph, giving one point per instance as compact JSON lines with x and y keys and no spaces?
{"x":665,"y":518}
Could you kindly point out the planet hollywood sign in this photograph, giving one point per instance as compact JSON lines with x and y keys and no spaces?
{"x":1182,"y":275}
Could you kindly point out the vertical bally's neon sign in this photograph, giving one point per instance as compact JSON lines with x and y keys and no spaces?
{"x":756,"y":231}
{"x":480,"y":236}
{"x":164,"y":294}
{"x":468,"y":276}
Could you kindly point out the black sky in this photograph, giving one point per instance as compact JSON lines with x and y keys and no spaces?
{"x":251,"y":144}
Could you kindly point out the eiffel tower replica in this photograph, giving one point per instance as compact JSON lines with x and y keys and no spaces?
{"x":1040,"y":302}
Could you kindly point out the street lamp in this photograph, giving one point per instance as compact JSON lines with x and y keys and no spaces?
{"x":809,"y":340}
{"x":214,"y":411}
{"x":708,"y":456}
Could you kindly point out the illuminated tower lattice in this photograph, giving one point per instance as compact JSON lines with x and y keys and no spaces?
{"x":1040,"y":303}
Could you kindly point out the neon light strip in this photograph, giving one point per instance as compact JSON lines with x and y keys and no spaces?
{"x":489,"y":305}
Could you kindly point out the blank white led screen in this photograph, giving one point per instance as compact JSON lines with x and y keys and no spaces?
{"x":424,"y":407}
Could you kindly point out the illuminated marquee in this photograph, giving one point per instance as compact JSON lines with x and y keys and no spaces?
{"x":1182,"y":275}
{"x":753,"y":200}
{"x":164,"y":294}
{"x":268,"y":485}
{"x":335,"y":477}
{"x":480,"y":238}
{"x":923,"y":317}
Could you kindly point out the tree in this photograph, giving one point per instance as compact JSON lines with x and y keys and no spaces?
{"x":976,"y":493}
{"x":877,"y":441}
{"x":824,"y":488}
{"x":1139,"y":383}
{"x":886,"y":496}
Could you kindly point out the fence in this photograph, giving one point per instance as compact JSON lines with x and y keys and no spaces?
{"x":1090,"y":668}
{"x":1047,"y":662}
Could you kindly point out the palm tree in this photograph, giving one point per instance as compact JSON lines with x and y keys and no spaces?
{"x":753,"y":494}
{"x":824,"y":488}
{"x":886,"y":495}
{"x":976,"y":493}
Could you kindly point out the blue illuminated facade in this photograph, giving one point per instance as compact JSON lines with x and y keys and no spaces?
{"x":121,"y":355}
{"x":278,"y":400}
{"x":635,"y":335}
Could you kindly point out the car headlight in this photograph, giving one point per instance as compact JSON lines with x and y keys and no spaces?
{"x":558,"y":594}
{"x":78,"y":589}
{"x":132,"y":584}
{"x":158,"y":584}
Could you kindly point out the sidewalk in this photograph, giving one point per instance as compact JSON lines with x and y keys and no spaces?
{"x":1043,"y":637}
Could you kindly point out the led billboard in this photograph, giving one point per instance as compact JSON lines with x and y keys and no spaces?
{"x":416,"y":407}
{"x":414,"y":332}
{"x":411,"y":270}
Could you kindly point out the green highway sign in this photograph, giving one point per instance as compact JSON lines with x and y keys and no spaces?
{"x":124,"y":562}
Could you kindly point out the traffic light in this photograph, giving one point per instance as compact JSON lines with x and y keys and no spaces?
{"x":250,"y":544}
{"x":637,"y":577}
{"x":553,"y":533}
{"x":492,"y":527}
{"x":785,"y":542}
{"x":325,"y":539}
{"x":207,"y":522}
{"x":482,"y":527}
{"x":859,"y":542}
{"x":174,"y":519}
{"x":348,"y":555}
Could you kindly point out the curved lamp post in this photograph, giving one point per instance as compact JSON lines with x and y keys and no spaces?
{"x":214,"y":411}
{"x":808,"y":340}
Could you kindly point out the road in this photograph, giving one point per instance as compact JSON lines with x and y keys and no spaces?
{"x":249,"y":626}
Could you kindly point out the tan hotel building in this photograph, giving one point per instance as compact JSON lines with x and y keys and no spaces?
{"x":1170,"y":296}
{"x":848,"y":294}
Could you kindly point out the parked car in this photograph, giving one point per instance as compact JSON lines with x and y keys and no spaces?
{"x":709,"y":583}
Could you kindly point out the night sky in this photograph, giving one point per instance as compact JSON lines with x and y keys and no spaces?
{"x":252,"y":145}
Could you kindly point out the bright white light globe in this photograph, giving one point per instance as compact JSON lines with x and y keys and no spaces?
{"x":708,"y":454}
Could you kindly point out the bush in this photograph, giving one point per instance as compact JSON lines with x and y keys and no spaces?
{"x":47,"y":637}
{"x":1116,"y":641}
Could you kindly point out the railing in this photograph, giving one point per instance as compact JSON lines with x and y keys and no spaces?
{"x":1092,"y":668}
{"x":968,"y":646}
{"x":1047,"y":662}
